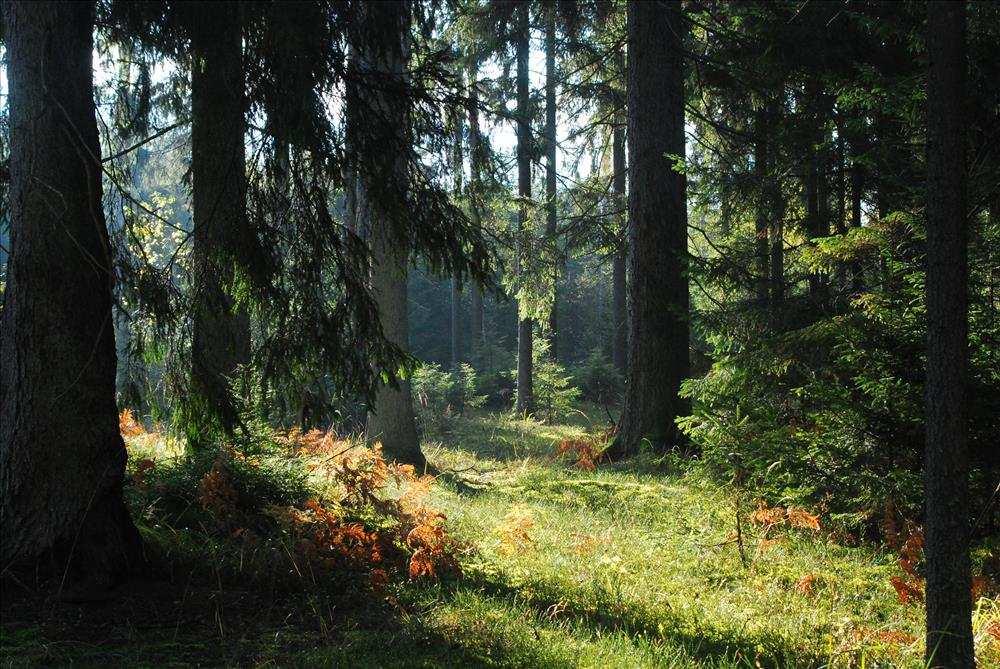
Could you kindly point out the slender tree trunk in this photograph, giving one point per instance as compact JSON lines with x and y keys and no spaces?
{"x":550,"y":173}
{"x":659,"y":356}
{"x":475,"y":202}
{"x":220,"y":327}
{"x":525,"y":325}
{"x":812,"y":214}
{"x":946,"y":470}
{"x":62,"y":459}
{"x":763,"y":213}
{"x":857,"y":193}
{"x":386,"y":25}
{"x":457,"y":348}
{"x":619,"y":304}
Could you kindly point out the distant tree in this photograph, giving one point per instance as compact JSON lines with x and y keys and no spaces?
{"x":458,"y":174}
{"x":220,"y":326}
{"x":476,"y":161}
{"x":659,"y":357}
{"x":619,"y":300}
{"x":946,"y":470}
{"x":550,"y":172}
{"x":62,"y":458}
{"x":525,"y":324}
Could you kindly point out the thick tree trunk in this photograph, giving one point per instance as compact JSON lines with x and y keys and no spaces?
{"x":220,"y":327}
{"x":62,"y":459}
{"x":550,"y":174}
{"x":391,"y":420}
{"x":619,"y":304}
{"x":946,"y":471}
{"x":525,"y":325}
{"x":659,"y":356}
{"x":475,"y":201}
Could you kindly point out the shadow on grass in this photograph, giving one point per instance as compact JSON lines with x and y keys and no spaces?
{"x":605,"y":614}
{"x":192,"y":614}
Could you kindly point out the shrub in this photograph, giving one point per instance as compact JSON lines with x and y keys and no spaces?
{"x":440,"y":395}
{"x":598,"y":379}
{"x":555,"y":394}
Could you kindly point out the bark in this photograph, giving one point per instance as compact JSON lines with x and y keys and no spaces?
{"x":475,"y":201}
{"x":659,"y":356}
{"x":619,"y":304}
{"x":550,"y":173}
{"x":62,"y":458}
{"x":220,"y":326}
{"x":391,"y":420}
{"x":946,"y":471}
{"x":525,"y":325}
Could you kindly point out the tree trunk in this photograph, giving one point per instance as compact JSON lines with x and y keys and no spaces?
{"x":62,"y":459}
{"x":619,"y":304}
{"x":946,"y":471}
{"x":475,"y":201}
{"x":525,"y":325}
{"x":550,"y":173}
{"x":857,"y":191}
{"x":457,"y":351}
{"x":761,"y":170}
{"x":391,"y":420}
{"x":220,"y":327}
{"x":659,"y":356}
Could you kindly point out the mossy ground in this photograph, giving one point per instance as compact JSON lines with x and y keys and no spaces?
{"x":630,"y":565}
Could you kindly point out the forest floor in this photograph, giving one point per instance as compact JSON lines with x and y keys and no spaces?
{"x":626,"y":565}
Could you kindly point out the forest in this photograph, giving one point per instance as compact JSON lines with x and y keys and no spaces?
{"x":500,"y":333}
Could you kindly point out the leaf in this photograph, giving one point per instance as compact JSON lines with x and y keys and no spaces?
{"x":907,"y":591}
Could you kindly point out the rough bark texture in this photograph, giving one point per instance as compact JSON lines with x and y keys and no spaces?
{"x":220,"y":328}
{"x":619,"y":303}
{"x":550,"y":174}
{"x":946,"y":472}
{"x":659,"y":356}
{"x":62,"y":459}
{"x":391,"y":420}
{"x":525,"y":326}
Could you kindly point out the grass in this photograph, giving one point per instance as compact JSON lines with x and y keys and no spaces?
{"x":632,"y":565}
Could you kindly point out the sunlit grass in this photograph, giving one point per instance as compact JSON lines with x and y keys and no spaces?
{"x":632,"y":565}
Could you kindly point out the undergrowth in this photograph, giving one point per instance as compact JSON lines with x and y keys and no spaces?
{"x":529,"y":549}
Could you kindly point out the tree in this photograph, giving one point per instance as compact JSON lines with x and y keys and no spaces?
{"x":550,"y":172}
{"x":220,"y":326}
{"x":525,"y":324}
{"x":382,"y":43}
{"x":62,"y":457}
{"x":659,"y":358}
{"x":946,"y":469}
{"x":476,"y":151}
{"x":457,"y":348}
{"x":619,"y":304}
